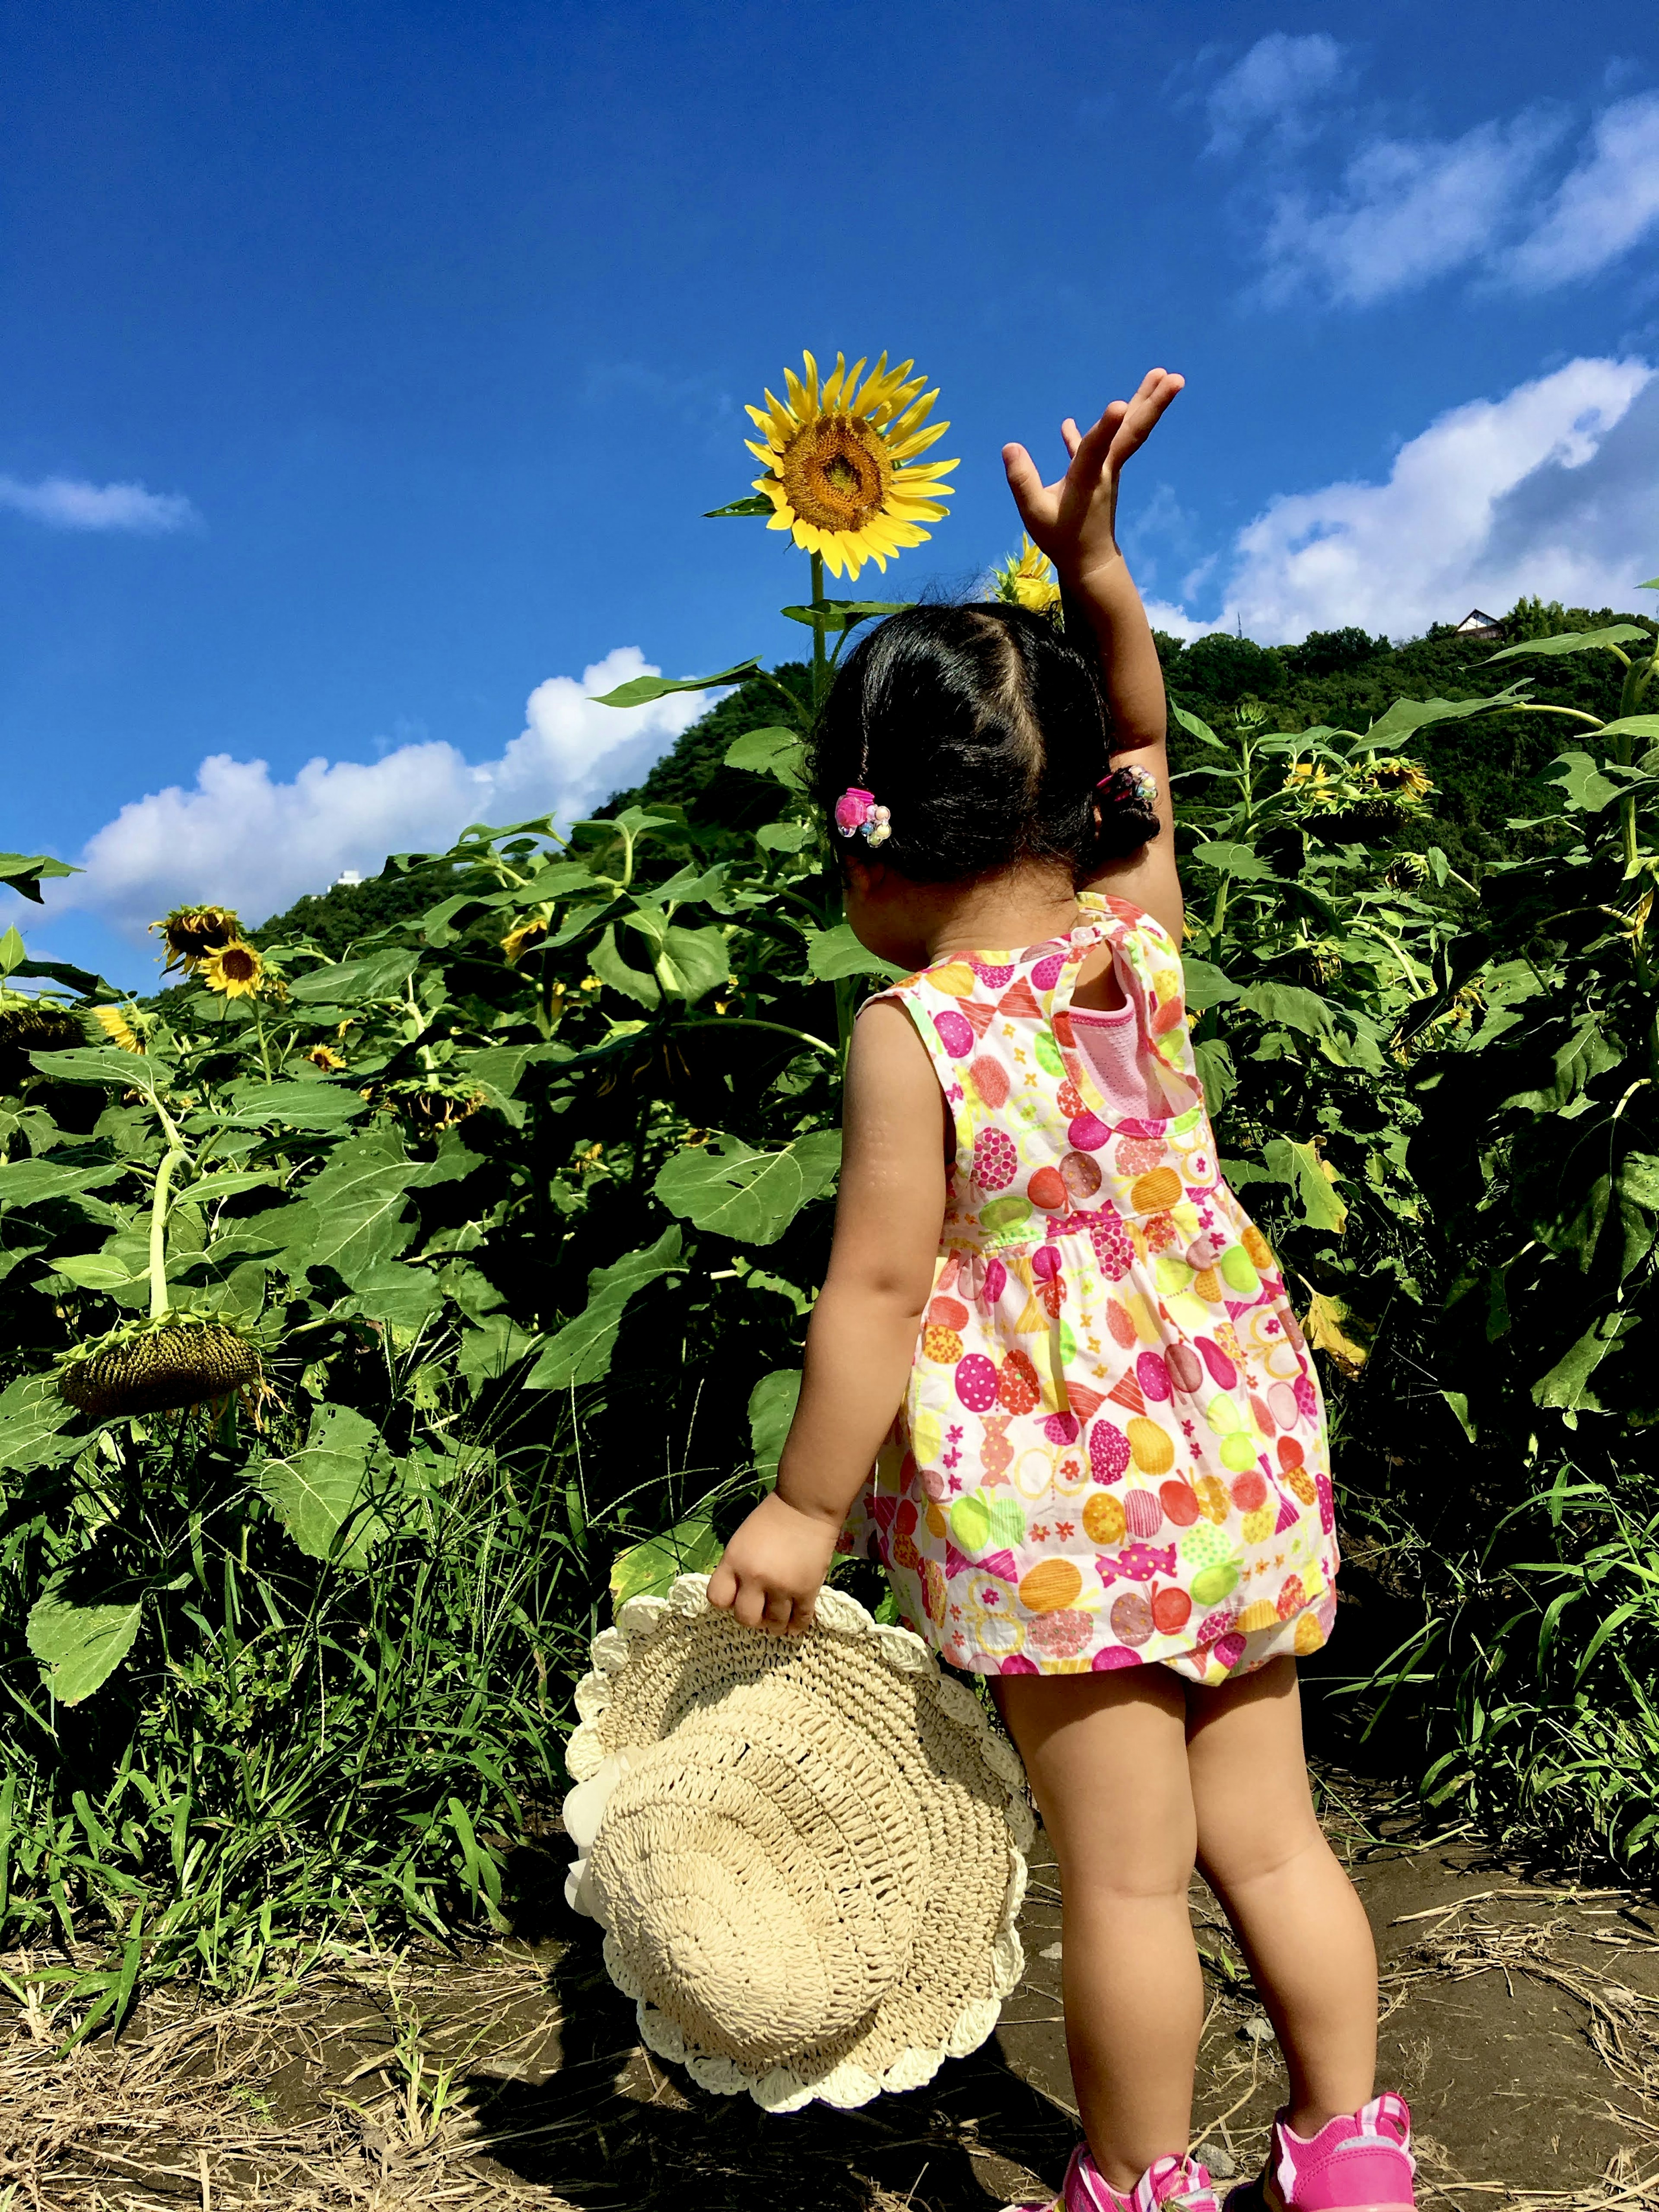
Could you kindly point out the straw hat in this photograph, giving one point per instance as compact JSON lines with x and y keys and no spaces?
{"x":808,"y":1852}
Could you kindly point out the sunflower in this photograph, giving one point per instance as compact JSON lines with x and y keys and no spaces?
{"x":235,"y":970}
{"x":167,"y":1364}
{"x":524,"y":934}
{"x":191,"y":934}
{"x":115,"y":1027}
{"x":840,"y":462}
{"x":1027,"y":580}
{"x":325,"y":1057}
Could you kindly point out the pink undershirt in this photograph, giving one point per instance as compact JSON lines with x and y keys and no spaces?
{"x":1110,"y":1045}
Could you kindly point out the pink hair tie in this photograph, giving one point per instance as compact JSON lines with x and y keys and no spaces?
{"x":857,"y":812}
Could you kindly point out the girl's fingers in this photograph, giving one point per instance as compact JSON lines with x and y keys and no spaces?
{"x":778,"y":1606}
{"x":1024,"y":481}
{"x":750,"y":1606}
{"x":1072,"y":434}
{"x":722,"y":1586}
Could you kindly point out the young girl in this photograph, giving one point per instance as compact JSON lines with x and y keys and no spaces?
{"x":1105,"y":1483}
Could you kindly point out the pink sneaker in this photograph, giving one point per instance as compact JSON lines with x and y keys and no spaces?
{"x":1358,"y":2163}
{"x":1176,"y":2182}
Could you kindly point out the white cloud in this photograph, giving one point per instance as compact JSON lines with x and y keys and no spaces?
{"x":1274,"y":90}
{"x":240,"y":837}
{"x":1405,"y":211}
{"x":67,"y":503}
{"x":1603,"y":208}
{"x":1551,"y":489}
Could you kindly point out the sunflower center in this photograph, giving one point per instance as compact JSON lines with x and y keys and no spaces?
{"x":238,"y":965}
{"x":836,"y":472}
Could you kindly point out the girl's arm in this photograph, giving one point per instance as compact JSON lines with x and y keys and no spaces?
{"x":862,"y":1337}
{"x":1074,"y":520}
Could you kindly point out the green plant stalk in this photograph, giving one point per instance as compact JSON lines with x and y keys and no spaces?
{"x":820,"y":666}
{"x":158,"y":1232}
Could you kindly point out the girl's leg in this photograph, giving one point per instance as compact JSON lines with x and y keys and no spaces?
{"x":1302,"y":1928}
{"x":1107,"y":1758}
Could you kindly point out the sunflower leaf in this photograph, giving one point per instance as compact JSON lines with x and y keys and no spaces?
{"x":648,"y":1570}
{"x":772,"y":751}
{"x":842,"y":614}
{"x":1576,"y":640}
{"x":21,"y":872}
{"x":755,"y":505}
{"x":80,"y":1645}
{"x":323,"y":1493}
{"x":640,"y":690}
{"x":580,"y":1350}
{"x":1408,"y":715}
{"x":349,"y":982}
{"x":726,"y":1186}
{"x":834,"y":953}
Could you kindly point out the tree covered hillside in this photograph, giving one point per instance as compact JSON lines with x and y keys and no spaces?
{"x":1487,"y":772}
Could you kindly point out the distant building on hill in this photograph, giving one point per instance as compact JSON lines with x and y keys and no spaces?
{"x":1478,"y":624}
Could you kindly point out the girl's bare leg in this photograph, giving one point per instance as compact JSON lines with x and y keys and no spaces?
{"x":1107,"y":1758}
{"x":1303,"y":1929}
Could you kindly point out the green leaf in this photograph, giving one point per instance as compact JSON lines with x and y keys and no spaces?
{"x":394,"y":1292}
{"x":1568,"y":1382}
{"x":492,"y":1350}
{"x":1300,"y":1166}
{"x":757,"y":503}
{"x":296,"y":1105}
{"x":608,"y":964}
{"x":1205,"y":986}
{"x":22,"y":872}
{"x":12,"y":952}
{"x":1298,"y":1008}
{"x":726,"y":1186}
{"x":81,"y":1642}
{"x":784,"y":836}
{"x":580,"y":1350}
{"x":1586,"y":1054}
{"x":1459,"y":1404}
{"x":1195,"y":728}
{"x":772,"y":1404}
{"x":640,"y":690}
{"x":130,"y":1070}
{"x":32,"y":1416}
{"x":689,"y":961}
{"x":353,"y":983}
{"x":646,"y":1570}
{"x":1216,"y":1073}
{"x":1574,"y":641}
{"x":1408,"y":715}
{"x":227,"y":1183}
{"x":1631,"y":725}
{"x":834,"y":953}
{"x":833,"y":615}
{"x":1229,"y":860}
{"x":555,"y":881}
{"x":773,"y":751}
{"x":324,"y":1494}
{"x":31,"y":1182}
{"x":108,"y":1270}
{"x":1587,"y":791}
{"x":351,"y":1216}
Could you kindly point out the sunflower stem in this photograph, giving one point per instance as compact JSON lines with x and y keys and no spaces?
{"x":820,"y":669}
{"x":158,"y":1232}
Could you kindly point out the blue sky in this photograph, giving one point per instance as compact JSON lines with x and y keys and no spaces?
{"x":368,"y":367}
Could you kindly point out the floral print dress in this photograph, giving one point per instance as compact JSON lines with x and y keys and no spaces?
{"x":1112,"y":1450}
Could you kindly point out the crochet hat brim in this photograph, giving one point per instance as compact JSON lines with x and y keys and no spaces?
{"x":879,"y":1705}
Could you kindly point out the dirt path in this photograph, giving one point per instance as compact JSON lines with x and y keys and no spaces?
{"x":1522,"y":2018}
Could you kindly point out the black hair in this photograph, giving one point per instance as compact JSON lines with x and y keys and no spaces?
{"x":986,"y":733}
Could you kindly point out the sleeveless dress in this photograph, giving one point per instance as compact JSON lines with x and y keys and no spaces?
{"x":1112,"y":1449}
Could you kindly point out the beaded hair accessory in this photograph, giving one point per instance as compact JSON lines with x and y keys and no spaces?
{"x":1128,"y":786}
{"x":858,"y":814}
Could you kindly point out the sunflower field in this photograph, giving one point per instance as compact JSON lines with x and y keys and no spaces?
{"x":375,"y":1314}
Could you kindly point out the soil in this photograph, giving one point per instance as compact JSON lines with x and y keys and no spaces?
{"x":1521,"y":2019}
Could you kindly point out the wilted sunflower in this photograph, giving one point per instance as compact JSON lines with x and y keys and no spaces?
{"x":523,"y":934}
{"x":235,"y":970}
{"x":192,"y":933}
{"x":840,"y":462}
{"x":1027,"y":580}
{"x":162,"y":1365}
{"x":325,"y":1057}
{"x":115,"y":1026}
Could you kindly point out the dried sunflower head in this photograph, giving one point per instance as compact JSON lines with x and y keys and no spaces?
{"x":162,"y":1365}
{"x":192,"y":933}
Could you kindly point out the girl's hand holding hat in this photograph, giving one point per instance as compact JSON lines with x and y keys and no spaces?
{"x":774,"y":1567}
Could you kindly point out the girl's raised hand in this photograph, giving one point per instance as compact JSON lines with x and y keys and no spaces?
{"x":1074,"y":520}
